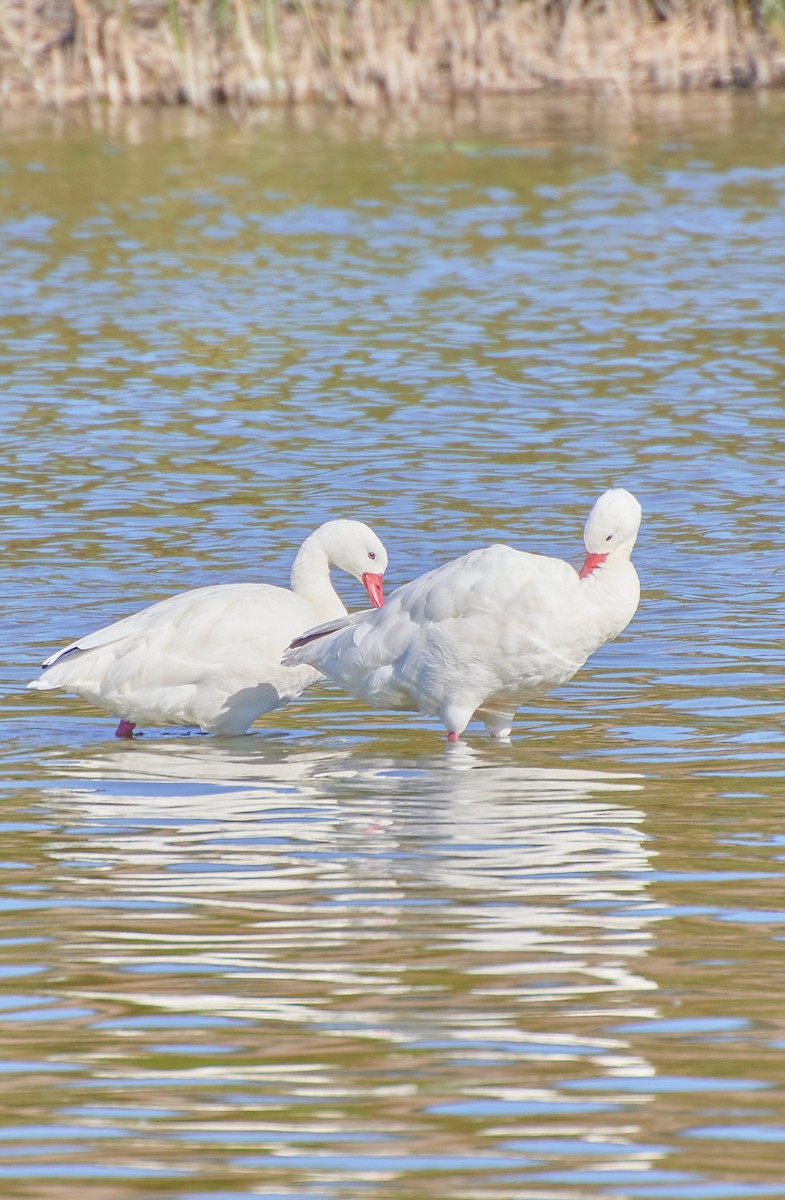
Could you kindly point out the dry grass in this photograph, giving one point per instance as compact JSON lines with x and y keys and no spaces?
{"x":376,"y":52}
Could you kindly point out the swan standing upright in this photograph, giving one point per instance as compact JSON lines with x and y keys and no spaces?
{"x":482,"y":633}
{"x":211,"y":657}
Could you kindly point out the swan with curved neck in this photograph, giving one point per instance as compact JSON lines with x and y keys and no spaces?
{"x":483,"y":633}
{"x":211,"y":657}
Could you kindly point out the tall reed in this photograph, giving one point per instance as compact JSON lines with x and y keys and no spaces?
{"x":369,"y":53}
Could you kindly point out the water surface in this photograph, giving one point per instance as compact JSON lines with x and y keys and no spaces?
{"x":335,"y":957}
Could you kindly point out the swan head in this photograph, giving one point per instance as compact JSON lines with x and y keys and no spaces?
{"x":611,"y":529}
{"x":354,"y":547}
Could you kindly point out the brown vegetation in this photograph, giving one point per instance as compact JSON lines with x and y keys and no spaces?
{"x":371,"y":52}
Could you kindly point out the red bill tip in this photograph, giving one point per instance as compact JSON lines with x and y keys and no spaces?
{"x":374,"y":586}
{"x":592,"y":561}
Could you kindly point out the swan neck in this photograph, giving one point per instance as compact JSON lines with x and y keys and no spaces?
{"x":310,"y":578}
{"x":611,"y":595}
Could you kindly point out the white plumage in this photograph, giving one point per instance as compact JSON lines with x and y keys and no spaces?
{"x":211,"y":657}
{"x":482,"y":633}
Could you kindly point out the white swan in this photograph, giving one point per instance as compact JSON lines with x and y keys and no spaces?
{"x":483,"y":633}
{"x":212,"y":656}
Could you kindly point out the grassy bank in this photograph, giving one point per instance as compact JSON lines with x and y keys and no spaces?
{"x":376,"y":52}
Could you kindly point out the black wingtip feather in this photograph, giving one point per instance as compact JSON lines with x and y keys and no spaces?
{"x":305,"y":638}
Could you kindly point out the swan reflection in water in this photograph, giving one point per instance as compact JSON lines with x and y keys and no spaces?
{"x":531,"y":857}
{"x":366,"y":910}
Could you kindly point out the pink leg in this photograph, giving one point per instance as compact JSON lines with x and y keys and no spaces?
{"x":453,"y":737}
{"x":125,"y":729}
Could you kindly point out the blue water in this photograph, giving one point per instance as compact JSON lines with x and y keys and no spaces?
{"x":336,"y":957}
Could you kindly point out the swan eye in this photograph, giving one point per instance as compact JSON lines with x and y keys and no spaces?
{"x":372,"y":554}
{"x":609,"y":537}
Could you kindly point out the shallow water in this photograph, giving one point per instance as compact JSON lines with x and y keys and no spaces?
{"x":336,"y":957}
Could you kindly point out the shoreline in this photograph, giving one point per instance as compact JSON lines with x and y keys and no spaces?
{"x":375,"y":54}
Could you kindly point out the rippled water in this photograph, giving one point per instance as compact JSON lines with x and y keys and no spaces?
{"x":336,"y":958}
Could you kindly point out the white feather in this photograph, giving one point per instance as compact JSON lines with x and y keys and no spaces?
{"x":211,"y":657}
{"x":485,"y":631}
